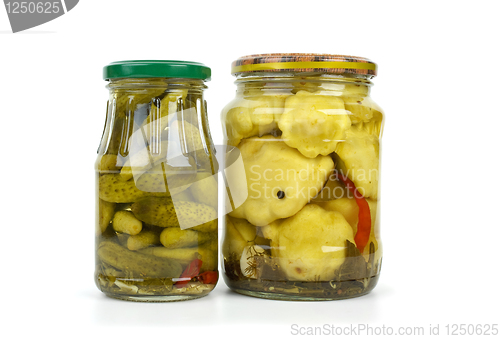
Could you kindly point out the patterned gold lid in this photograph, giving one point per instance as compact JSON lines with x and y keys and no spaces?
{"x":304,"y":62}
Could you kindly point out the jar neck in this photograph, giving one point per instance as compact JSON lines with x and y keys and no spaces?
{"x":283,"y":81}
{"x":125,"y":84}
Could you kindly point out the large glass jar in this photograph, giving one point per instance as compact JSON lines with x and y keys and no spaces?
{"x":304,"y":223}
{"x":156,"y":220}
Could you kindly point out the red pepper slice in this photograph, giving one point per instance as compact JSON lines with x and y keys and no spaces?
{"x":364,"y":217}
{"x":191,"y":271}
{"x":208,"y":277}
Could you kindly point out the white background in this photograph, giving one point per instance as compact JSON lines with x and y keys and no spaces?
{"x":438,"y":84}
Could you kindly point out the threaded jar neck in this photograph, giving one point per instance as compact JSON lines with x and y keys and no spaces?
{"x":193,"y":85}
{"x":292,"y":80}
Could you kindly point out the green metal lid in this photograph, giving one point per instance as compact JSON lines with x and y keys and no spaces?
{"x":156,"y":69}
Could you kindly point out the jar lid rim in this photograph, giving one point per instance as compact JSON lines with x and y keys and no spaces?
{"x":304,"y":62}
{"x":156,"y":69}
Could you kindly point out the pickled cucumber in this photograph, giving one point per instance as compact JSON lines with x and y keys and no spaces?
{"x":108,"y":163}
{"x":126,"y":222}
{"x":190,"y":139}
{"x":168,"y":105}
{"x":173,"y":237}
{"x":127,"y":100}
{"x":210,"y":226}
{"x":183,"y":196}
{"x":165,"y":179}
{"x":141,"y":160}
{"x":204,"y":189}
{"x":182,"y":255}
{"x":137,"y":263}
{"x":113,"y":189}
{"x":155,"y":153}
{"x":106,"y":212}
{"x":161,"y":212}
{"x":142,"y":240}
{"x":206,"y":252}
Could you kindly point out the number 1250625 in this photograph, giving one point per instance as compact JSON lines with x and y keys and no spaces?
{"x":24,"y":7}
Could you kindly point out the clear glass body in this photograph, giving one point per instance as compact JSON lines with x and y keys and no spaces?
{"x":307,"y":226}
{"x":156,"y":193}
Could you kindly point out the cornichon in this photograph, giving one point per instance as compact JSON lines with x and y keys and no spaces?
{"x":204,"y":189}
{"x":210,"y":226}
{"x":106,"y":211}
{"x":138,"y":263}
{"x":126,"y":222}
{"x":207,"y":253}
{"x":108,"y":163}
{"x":164,"y":179}
{"x":161,"y":212}
{"x":112,"y":189}
{"x":127,"y":101}
{"x":173,"y":237}
{"x":182,"y":255}
{"x":142,"y":240}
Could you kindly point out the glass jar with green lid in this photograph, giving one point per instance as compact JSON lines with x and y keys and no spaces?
{"x":305,"y":223}
{"x":156,"y":184}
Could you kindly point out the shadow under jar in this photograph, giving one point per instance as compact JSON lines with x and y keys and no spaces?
{"x":303,"y":219}
{"x":156,"y":220}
